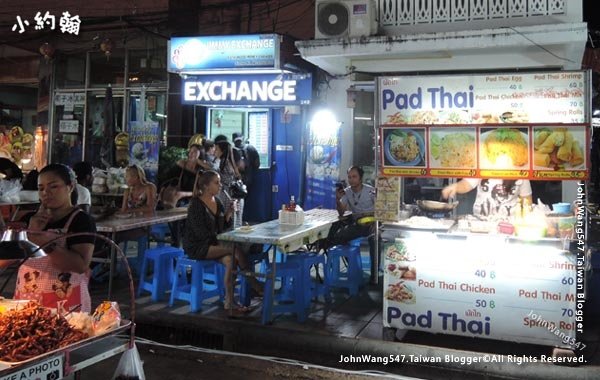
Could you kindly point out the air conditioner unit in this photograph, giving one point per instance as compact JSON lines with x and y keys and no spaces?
{"x":351,"y":18}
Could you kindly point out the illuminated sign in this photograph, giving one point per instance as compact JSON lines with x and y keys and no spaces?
{"x":259,"y":89}
{"x":192,"y":54}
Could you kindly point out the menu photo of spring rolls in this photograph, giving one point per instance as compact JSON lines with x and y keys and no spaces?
{"x":559,"y":148}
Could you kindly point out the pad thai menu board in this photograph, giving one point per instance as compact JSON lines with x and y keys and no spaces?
{"x":534,"y":152}
{"x":508,"y":291}
{"x":531,"y":125}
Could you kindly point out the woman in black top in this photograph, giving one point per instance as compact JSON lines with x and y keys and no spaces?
{"x":206,"y":219}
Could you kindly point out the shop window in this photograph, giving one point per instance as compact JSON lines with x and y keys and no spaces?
{"x":67,"y":137}
{"x":100,"y":131}
{"x":70,"y":72}
{"x":106,"y":70}
{"x":363,"y":133}
{"x":147,"y":67}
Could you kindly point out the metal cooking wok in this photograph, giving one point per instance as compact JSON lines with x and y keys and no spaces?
{"x":435,"y":206}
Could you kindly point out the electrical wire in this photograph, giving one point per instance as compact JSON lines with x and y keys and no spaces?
{"x":273,"y":359}
{"x":540,"y":46}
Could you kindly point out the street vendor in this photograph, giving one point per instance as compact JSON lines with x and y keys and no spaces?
{"x":59,"y":279}
{"x":359,"y":198}
{"x":495,"y":197}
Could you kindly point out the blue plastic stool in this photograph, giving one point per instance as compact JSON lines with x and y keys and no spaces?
{"x":253,"y":260}
{"x":206,"y":282}
{"x":292,"y":272}
{"x":312,"y":289}
{"x":159,"y":233}
{"x":162,"y":260}
{"x":136,"y":262}
{"x":364,"y":260}
{"x":352,"y":278}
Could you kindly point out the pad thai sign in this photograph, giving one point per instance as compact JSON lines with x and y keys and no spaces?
{"x":489,"y":126}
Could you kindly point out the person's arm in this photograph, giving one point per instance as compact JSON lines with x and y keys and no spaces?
{"x":150,"y":205}
{"x":76,"y":259}
{"x":461,"y":187}
{"x":124,"y":206}
{"x":525,"y":193}
{"x":339,"y":201}
{"x":77,"y":255}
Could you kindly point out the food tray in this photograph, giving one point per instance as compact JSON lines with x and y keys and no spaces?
{"x":438,"y":225}
{"x":125,"y":325}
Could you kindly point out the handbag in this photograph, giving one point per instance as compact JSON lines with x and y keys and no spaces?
{"x":238,"y":189}
{"x":170,"y":194}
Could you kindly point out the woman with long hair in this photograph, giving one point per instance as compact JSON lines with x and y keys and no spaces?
{"x":229,"y":173}
{"x":207,"y":217}
{"x":140,"y":195}
{"x":61,"y":277}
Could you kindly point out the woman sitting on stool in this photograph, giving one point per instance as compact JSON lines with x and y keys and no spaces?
{"x":206,"y":219}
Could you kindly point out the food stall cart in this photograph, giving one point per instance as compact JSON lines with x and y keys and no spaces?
{"x":39,"y":342}
{"x":518,"y":276}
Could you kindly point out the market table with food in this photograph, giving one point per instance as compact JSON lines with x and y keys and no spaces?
{"x":44,"y":342}
{"x":310,"y":226}
{"x":128,"y":221}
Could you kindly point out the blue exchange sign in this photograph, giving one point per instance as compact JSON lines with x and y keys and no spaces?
{"x":254,"y":51}
{"x":261,"y":90}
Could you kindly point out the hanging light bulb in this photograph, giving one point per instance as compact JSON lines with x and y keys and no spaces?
{"x":107,"y":46}
{"x":47,"y":51}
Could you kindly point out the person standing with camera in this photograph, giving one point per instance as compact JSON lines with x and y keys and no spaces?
{"x":229,"y":174}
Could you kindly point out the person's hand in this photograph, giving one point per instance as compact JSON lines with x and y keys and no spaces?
{"x":339,"y":193}
{"x":449,"y":191}
{"x":40,"y":219}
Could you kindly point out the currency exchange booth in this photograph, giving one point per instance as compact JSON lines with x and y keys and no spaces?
{"x":243,"y":82}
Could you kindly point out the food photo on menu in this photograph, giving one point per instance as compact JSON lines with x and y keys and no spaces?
{"x":505,"y":148}
{"x":558,"y":148}
{"x":401,"y":292}
{"x":453,"y":148}
{"x":397,"y":251}
{"x":404,"y":147}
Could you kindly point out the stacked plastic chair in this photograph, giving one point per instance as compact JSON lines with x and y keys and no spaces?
{"x":312,"y":288}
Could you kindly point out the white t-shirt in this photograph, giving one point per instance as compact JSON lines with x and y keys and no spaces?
{"x":83,"y":195}
{"x":360,"y":203}
{"x":494,"y":199}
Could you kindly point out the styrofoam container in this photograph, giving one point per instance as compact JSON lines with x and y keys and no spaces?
{"x":29,"y":196}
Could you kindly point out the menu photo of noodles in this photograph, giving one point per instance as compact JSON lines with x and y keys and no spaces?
{"x":453,"y":148}
{"x":504,"y":148}
{"x":559,"y":148}
{"x":401,"y":292}
{"x":404,"y":147}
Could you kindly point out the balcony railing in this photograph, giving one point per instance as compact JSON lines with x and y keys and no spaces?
{"x":400,"y":13}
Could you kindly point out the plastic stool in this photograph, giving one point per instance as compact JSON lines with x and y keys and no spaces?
{"x":206,"y":282}
{"x":159,"y":233}
{"x":163,"y":261}
{"x":297,"y":305}
{"x":312,"y":289}
{"x":352,"y":278}
{"x":136,"y":262}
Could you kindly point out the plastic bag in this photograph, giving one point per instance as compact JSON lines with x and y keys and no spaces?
{"x":130,"y":366}
{"x":9,"y":190}
{"x":106,"y":317}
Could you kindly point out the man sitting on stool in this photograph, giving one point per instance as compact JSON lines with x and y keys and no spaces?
{"x":359,"y":198}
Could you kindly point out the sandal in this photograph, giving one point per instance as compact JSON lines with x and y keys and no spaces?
{"x":236,"y":309}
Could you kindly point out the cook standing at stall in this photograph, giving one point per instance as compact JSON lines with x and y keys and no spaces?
{"x":495,"y":197}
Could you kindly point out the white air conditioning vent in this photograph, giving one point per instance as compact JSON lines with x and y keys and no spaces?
{"x":352,"y":18}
